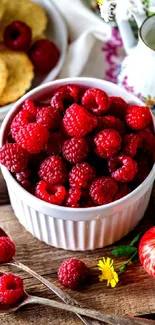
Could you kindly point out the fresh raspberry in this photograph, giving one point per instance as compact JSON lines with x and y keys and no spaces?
{"x":78,"y":121}
{"x":138,"y":117}
{"x":65,"y":96}
{"x":75,"y":150}
{"x":17,"y":36}
{"x":72,"y":273}
{"x":131,"y":143}
{"x":23,"y":178}
{"x":148,"y":140}
{"x":144,"y":167}
{"x":49,"y":117}
{"x":13,"y":157}
{"x":73,"y":197}
{"x":82,"y":175}
{"x":103,"y":190}
{"x":123,"y":168}
{"x":29,"y":106}
{"x":96,"y":100}
{"x":54,"y":194}
{"x":24,"y":117}
{"x":44,"y":55}
{"x":111,"y":122}
{"x":11,"y":289}
{"x":7,"y":249}
{"x":53,"y":170}
{"x":108,"y":143}
{"x":32,"y":137}
{"x":118,"y":107}
{"x":123,"y":191}
{"x":54,"y":144}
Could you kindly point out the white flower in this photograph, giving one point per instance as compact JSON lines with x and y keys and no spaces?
{"x":106,"y":9}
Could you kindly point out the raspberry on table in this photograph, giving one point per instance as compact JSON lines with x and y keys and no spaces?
{"x":103,"y":190}
{"x":49,"y":117}
{"x":23,"y":118}
{"x":54,"y":144}
{"x":111,"y":122}
{"x":78,"y":121}
{"x":11,"y":289}
{"x":138,"y":117}
{"x":54,"y":194}
{"x":23,"y":178}
{"x":72,"y":273}
{"x":131,"y":143}
{"x":7,"y":249}
{"x":96,"y":100}
{"x":108,"y":143}
{"x":33,"y":137}
{"x":123,"y":191}
{"x":65,"y":96}
{"x":73,"y":198}
{"x":75,"y":150}
{"x":44,"y":55}
{"x":29,"y":106}
{"x":13,"y":157}
{"x":82,"y":175}
{"x":17,"y":36}
{"x":123,"y":168}
{"x":118,"y":107}
{"x":53,"y":170}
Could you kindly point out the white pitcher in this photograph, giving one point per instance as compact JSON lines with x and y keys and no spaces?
{"x":137,"y":72}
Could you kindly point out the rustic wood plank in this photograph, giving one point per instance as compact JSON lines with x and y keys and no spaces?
{"x":134,"y":294}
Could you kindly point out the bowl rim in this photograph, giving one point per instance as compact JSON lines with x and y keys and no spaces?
{"x":6,"y":173}
{"x":56,"y":70}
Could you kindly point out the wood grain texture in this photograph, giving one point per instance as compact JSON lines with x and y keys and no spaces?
{"x":134,"y":295}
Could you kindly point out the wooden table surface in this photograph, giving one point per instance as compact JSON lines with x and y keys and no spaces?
{"x":134,"y":295}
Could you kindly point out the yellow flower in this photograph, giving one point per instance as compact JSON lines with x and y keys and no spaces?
{"x":100,"y":2}
{"x":108,"y":272}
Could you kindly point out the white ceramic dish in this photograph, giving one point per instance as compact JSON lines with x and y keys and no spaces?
{"x":76,"y":229}
{"x":57,"y":32}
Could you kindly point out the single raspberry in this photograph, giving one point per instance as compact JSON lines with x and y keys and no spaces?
{"x":24,"y":117}
{"x":96,"y":100}
{"x":73,"y":197}
{"x":65,"y":96}
{"x":49,"y":117}
{"x":72,"y":273}
{"x":144,"y":166}
{"x":13,"y":157}
{"x":118,"y":107}
{"x":7,"y":249}
{"x":24,"y":179}
{"x":44,"y":54}
{"x":82,"y":175}
{"x":148,"y":141}
{"x":131,"y":143}
{"x":78,"y":121}
{"x":54,"y":144}
{"x":138,"y":117}
{"x":53,"y":170}
{"x":32,"y":137}
{"x":123,"y":168}
{"x":75,"y":150}
{"x":17,"y":36}
{"x":108,"y":143}
{"x":29,"y":106}
{"x":54,"y":194}
{"x":123,"y":191}
{"x":11,"y":289}
{"x":103,"y":190}
{"x":111,"y":122}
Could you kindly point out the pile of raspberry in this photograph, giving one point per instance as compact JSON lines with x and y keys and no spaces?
{"x":82,"y":149}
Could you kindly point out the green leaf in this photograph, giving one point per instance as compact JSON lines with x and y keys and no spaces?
{"x":122,"y":269}
{"x":124,"y":251}
{"x":135,"y":240}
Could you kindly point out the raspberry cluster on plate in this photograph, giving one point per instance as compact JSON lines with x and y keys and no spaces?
{"x":83,"y":149}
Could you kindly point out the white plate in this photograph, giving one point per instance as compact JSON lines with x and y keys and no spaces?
{"x":57,"y":32}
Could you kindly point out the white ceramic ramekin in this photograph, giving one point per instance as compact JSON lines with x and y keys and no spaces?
{"x":76,"y":229}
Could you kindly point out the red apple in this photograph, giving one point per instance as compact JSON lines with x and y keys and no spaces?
{"x":147,"y":251}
